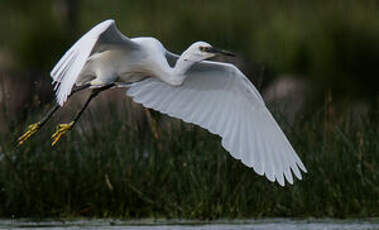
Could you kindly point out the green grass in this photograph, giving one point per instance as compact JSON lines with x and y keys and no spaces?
{"x":120,"y":169}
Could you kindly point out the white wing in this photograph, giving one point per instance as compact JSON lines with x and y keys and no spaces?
{"x":218,"y":97}
{"x":68,"y":68}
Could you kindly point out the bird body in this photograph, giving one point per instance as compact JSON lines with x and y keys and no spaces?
{"x":216,"y":96}
{"x":120,"y":65}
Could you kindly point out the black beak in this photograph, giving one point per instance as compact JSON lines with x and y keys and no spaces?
{"x":219,"y":51}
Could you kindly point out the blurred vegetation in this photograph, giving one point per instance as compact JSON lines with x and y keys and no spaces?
{"x":333,"y":44}
{"x":123,"y":168}
{"x":175,"y":170}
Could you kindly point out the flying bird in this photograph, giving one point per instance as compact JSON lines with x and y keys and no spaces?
{"x":214,"y":95}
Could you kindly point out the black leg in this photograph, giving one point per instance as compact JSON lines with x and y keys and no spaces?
{"x":57,"y":106}
{"x":64,"y":128}
{"x":93,"y":94}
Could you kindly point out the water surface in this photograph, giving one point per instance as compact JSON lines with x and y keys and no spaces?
{"x":258,"y":224}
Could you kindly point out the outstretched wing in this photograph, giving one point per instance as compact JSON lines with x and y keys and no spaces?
{"x":218,"y":97}
{"x":68,"y":68}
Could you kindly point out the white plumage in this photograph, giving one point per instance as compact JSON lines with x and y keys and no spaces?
{"x":100,"y":38}
{"x":213,"y":95}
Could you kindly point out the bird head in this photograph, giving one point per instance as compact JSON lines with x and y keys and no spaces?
{"x":199,"y":51}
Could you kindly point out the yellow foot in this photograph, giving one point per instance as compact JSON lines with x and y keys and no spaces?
{"x":32,"y":129}
{"x":61,"y":130}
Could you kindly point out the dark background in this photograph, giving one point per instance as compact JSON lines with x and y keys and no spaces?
{"x":328,"y":47}
{"x":315,"y":62}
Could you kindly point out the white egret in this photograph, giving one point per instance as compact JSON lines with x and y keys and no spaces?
{"x":214,"y":95}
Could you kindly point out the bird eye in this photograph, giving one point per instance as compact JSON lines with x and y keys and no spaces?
{"x":202,"y":48}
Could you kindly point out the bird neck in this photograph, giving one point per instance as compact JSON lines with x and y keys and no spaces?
{"x":177,"y":74}
{"x":183,"y":64}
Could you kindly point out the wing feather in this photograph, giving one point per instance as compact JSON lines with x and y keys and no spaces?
{"x":65,"y":73}
{"x":249,"y":158}
{"x":218,"y":97}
